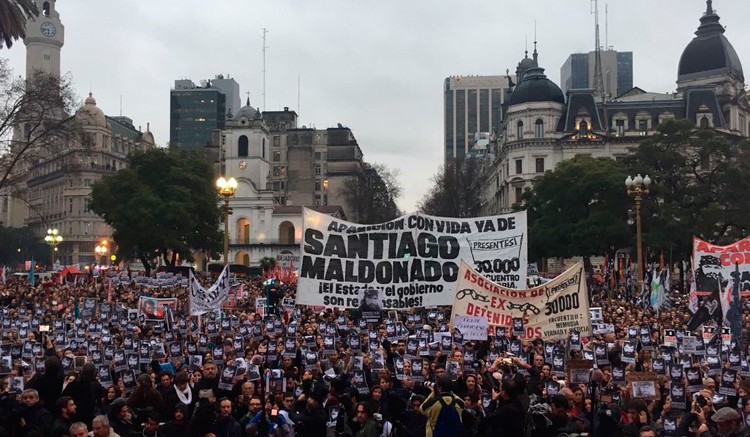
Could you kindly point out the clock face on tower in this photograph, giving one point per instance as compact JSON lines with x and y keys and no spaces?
{"x":243,"y":165}
{"x":48,"y":29}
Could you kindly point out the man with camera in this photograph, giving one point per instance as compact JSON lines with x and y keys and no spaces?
{"x":443,"y":410}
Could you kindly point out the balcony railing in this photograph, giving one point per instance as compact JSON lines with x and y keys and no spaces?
{"x":266,"y":241}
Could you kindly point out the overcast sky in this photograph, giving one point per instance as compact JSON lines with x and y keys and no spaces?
{"x":374,"y":66}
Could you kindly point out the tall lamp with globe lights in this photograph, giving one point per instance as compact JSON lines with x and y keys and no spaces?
{"x":53,"y":238}
{"x":637,"y":187}
{"x":101,"y":250}
{"x":227,"y":188}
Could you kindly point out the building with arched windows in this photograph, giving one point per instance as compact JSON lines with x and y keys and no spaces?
{"x":259,"y":226}
{"x":54,"y":189}
{"x":543,"y":127}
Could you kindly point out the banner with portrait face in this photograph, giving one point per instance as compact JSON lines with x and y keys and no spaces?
{"x":551,"y":311}
{"x":411,"y":261}
{"x":714,"y":266}
{"x":155,"y":309}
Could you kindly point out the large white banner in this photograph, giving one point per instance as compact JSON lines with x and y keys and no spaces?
{"x":204,"y":300}
{"x":550,"y":311}
{"x":412,"y":261}
{"x":714,"y":266}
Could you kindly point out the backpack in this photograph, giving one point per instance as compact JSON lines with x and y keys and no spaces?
{"x":448,"y":422}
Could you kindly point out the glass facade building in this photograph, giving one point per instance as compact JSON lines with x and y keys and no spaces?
{"x":194,"y":114}
{"x":617,"y":70}
{"x":472,"y":105}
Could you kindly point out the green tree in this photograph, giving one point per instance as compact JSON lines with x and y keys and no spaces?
{"x":700,"y":186}
{"x":371,"y":197}
{"x":13,"y":17}
{"x":267,"y":263}
{"x":578,"y":209}
{"x":20,"y":244}
{"x":163,"y":204}
{"x":456,"y":189}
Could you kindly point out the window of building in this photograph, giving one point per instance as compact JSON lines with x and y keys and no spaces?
{"x":643,"y":127}
{"x":620,"y":127}
{"x":70,"y":205}
{"x":704,"y":122}
{"x":317,"y":169}
{"x":519,"y":166}
{"x":263,"y":149}
{"x":583,"y":127}
{"x":282,"y":170}
{"x":519,"y":194}
{"x":276,"y":140}
{"x":539,"y":165}
{"x":242,"y":146}
{"x":87,"y":205}
{"x":87,"y":182}
{"x":519,"y":130}
{"x":318,"y":156}
{"x":317,"y":185}
{"x":276,"y":170}
{"x":539,"y":129}
{"x":276,"y":156}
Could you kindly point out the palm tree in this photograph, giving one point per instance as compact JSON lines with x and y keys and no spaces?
{"x":13,"y":16}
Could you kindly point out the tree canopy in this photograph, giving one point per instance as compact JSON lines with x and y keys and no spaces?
{"x":13,"y":17}
{"x":371,"y":197}
{"x":163,"y":204}
{"x":578,"y":209}
{"x":35,"y":122}
{"x":700,"y":186}
{"x":456,"y":189}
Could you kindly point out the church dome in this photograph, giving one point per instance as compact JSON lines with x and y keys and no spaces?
{"x":535,"y":87}
{"x":90,"y":113}
{"x":710,"y":53}
{"x":247,"y":112}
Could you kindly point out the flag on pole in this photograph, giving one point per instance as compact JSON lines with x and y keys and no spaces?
{"x":31,"y":272}
{"x":734,"y":313}
{"x":110,"y":292}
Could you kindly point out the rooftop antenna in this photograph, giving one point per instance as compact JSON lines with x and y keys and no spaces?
{"x":598,"y":76}
{"x":536,"y":55}
{"x":606,"y":26}
{"x":265,"y":31}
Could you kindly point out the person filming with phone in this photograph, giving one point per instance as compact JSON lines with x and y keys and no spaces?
{"x":268,"y":422}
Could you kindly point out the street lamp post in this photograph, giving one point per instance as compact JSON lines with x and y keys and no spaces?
{"x":53,"y":238}
{"x":101,"y":250}
{"x":637,"y":188}
{"x":227,"y":188}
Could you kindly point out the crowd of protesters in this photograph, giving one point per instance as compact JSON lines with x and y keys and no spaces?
{"x":325,"y":372}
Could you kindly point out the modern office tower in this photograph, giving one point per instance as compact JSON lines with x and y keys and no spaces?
{"x":472,"y":104}
{"x":194,"y":112}
{"x":617,"y":72}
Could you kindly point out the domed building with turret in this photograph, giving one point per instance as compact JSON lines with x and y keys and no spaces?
{"x":543,"y":127}
{"x":51,"y":188}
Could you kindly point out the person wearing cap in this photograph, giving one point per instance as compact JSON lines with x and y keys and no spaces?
{"x":729,"y":423}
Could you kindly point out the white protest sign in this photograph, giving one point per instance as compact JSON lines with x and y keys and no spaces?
{"x":596,"y":314}
{"x":203,"y":300}
{"x":550,"y":311}
{"x":411,"y":261}
{"x":471,"y":327}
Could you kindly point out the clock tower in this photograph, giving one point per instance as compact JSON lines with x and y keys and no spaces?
{"x":44,"y":39}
